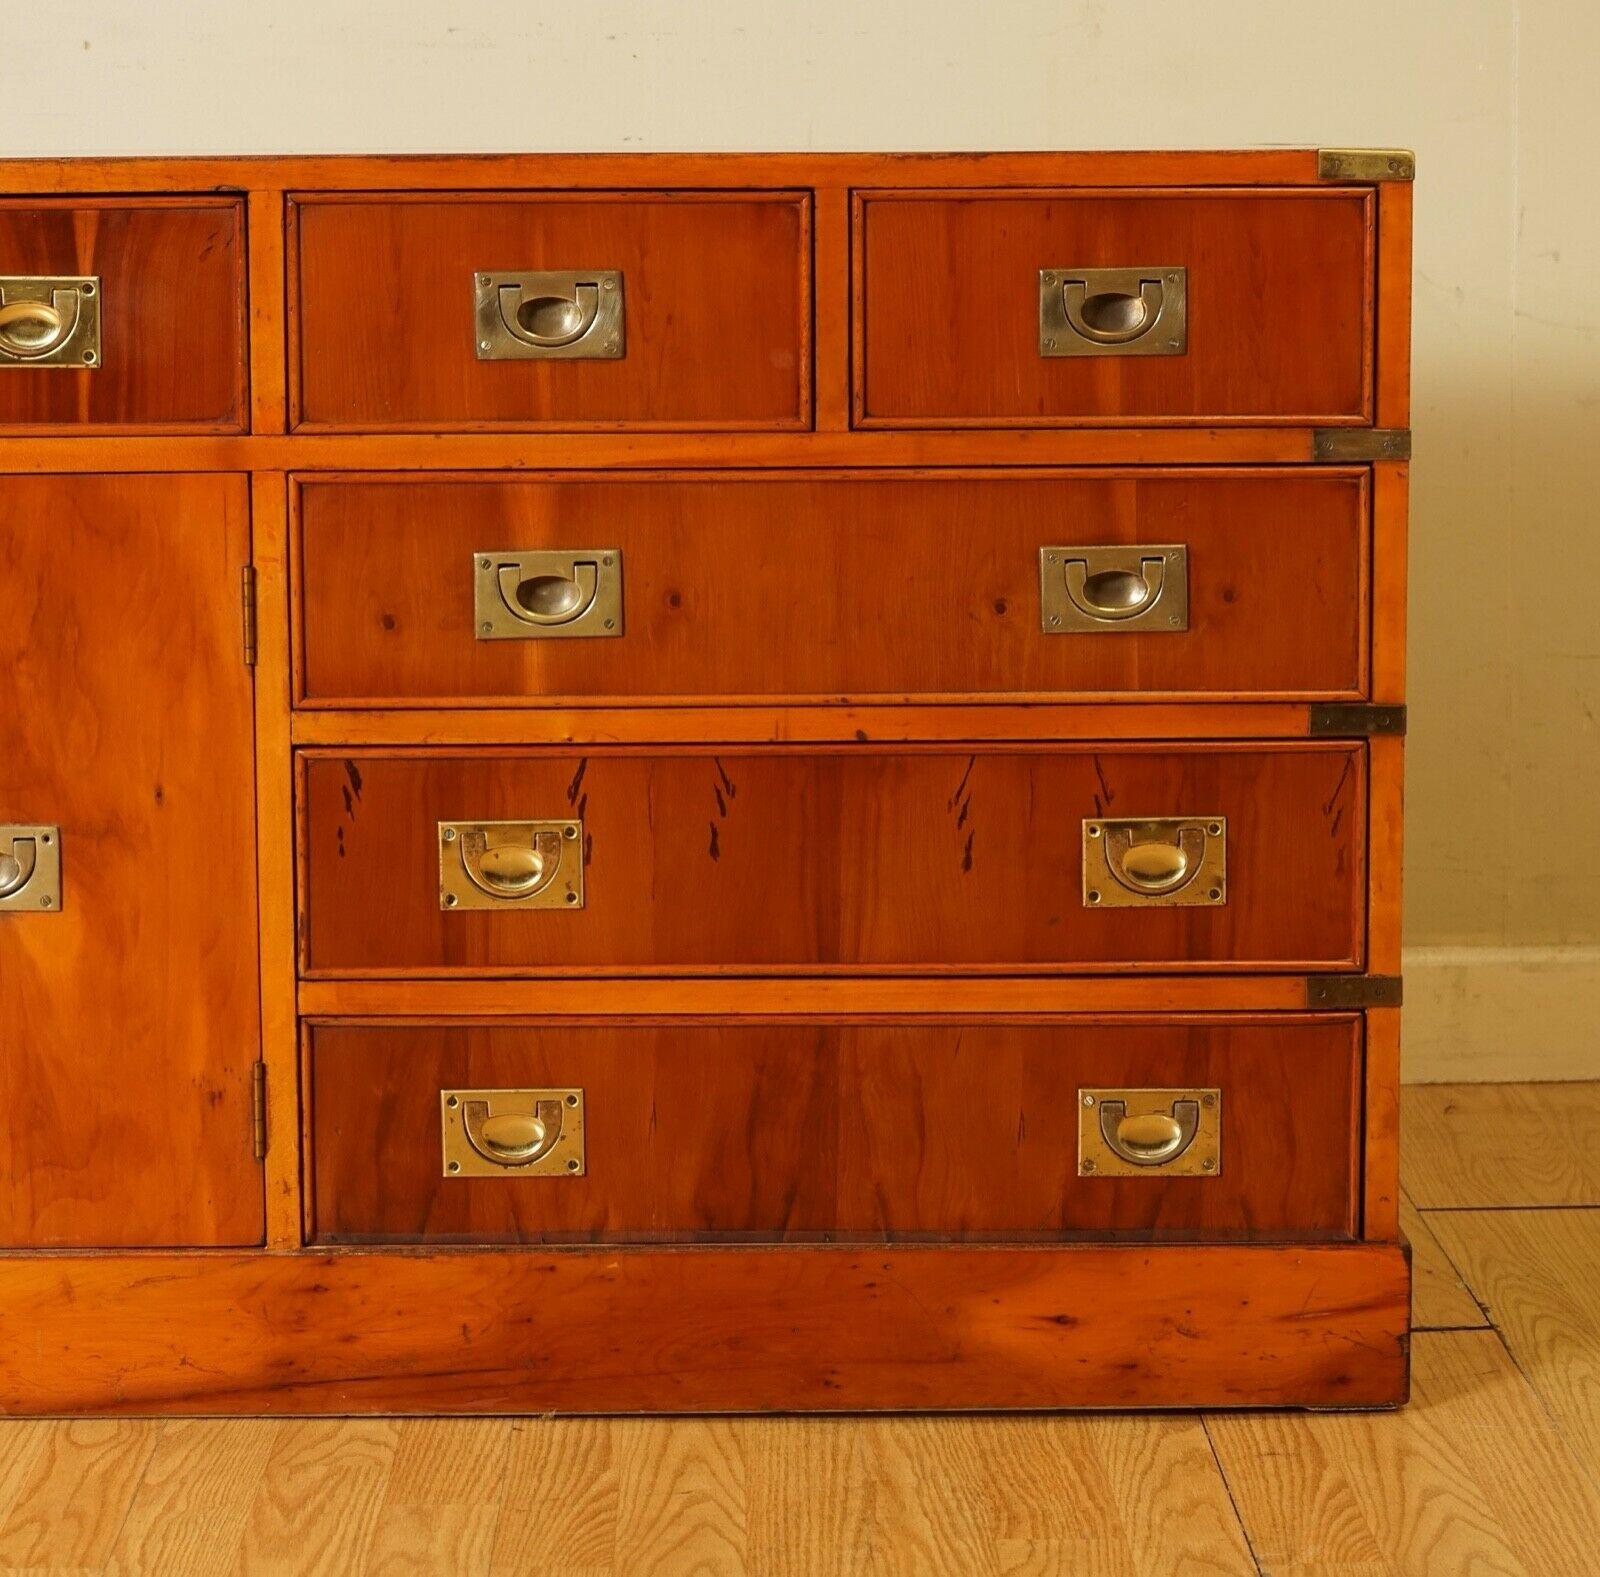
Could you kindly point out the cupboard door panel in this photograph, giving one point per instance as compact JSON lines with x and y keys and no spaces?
{"x":131,"y":1008}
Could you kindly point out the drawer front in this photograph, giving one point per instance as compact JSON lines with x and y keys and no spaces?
{"x":954,"y":1129}
{"x":1270,"y":321}
{"x":122,"y":314}
{"x":704,"y":309}
{"x":787,"y":859}
{"x":818,"y":587}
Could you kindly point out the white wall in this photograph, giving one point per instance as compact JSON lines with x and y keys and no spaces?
{"x":1495,"y":96}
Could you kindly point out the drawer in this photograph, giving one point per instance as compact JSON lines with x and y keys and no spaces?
{"x":122,"y":313}
{"x":816,"y":587}
{"x":775,"y":1130}
{"x":853,"y":858}
{"x":1160,"y":307}
{"x":654,"y":310}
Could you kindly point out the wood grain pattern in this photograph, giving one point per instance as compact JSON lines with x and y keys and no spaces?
{"x":68,"y":1511}
{"x":817,"y":588}
{"x":760,"y":997}
{"x":1440,"y":1300}
{"x":830,"y":860}
{"x":564,"y":171}
{"x":545,"y":451}
{"x":1501,"y":1144}
{"x":133,"y":1011}
{"x":195,"y":1496}
{"x":955,"y":1129}
{"x":171,"y":314}
{"x":887,"y":723}
{"x":1280,"y":290}
{"x":717,"y":303}
{"x":1472,"y":1476}
{"x":706,"y":1330}
{"x":1537,"y":1274}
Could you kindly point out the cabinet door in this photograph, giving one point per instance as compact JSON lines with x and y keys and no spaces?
{"x":129,"y":1013}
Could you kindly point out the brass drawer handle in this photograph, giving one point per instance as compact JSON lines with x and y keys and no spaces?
{"x":1104,"y":590}
{"x":550,"y":315}
{"x":1113,"y":311}
{"x":535,"y":1132}
{"x":504,"y":864}
{"x":1122,"y":1133}
{"x":30,"y":869}
{"x":49,"y":321}
{"x":520,"y":596}
{"x":1169,"y":860}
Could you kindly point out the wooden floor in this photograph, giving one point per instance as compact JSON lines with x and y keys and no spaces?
{"x":1493,"y":1469}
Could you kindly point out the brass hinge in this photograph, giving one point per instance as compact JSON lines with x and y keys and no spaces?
{"x":258,"y":1110}
{"x":1360,"y":444}
{"x":1353,"y":719}
{"x":1366,"y":164}
{"x":248,"y":597}
{"x":1353,"y":991}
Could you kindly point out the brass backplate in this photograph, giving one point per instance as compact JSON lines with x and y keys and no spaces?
{"x":1114,"y":311}
{"x":512,"y":1133}
{"x":505,"y":865}
{"x":1155,"y":861}
{"x":546,"y":594}
{"x":549,"y":315}
{"x":50,"y":320}
{"x":1150,"y":1133}
{"x":1126,"y":590}
{"x":1366,"y":164}
{"x":30,"y":869}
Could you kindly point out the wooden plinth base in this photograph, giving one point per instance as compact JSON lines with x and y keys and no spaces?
{"x":705,"y":1329}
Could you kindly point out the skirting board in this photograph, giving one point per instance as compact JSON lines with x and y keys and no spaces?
{"x":1501,"y":1014}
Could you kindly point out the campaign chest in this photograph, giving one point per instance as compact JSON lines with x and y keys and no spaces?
{"x":702,"y":782}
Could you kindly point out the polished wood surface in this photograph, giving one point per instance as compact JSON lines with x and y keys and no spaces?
{"x":820,"y":587}
{"x":763,"y":398}
{"x":819,"y":859}
{"x":172,"y":290}
{"x":717,"y":293}
{"x":131,"y":1014}
{"x":1280,"y":303}
{"x":951,"y":1128}
{"x":708,"y":1329}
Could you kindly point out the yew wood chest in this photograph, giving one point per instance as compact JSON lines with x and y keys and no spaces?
{"x":678,"y":783}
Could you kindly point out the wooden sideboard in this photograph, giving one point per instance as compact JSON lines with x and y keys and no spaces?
{"x":702,"y":782}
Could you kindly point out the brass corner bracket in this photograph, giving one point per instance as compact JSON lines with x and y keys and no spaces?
{"x":1366,"y":164}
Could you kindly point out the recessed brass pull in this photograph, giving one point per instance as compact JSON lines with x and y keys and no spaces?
{"x":1123,"y":1133}
{"x":1168,"y":860}
{"x":30,"y":869}
{"x":49,"y":321}
{"x":1113,"y":311}
{"x":552,"y":315}
{"x":522,"y":596}
{"x":1108,"y":590}
{"x":511,"y":864}
{"x":535,"y":1133}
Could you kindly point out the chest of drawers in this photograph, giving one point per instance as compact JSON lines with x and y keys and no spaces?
{"x":658,"y":783}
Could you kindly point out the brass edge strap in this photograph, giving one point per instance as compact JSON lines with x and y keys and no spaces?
{"x":1354,"y":991}
{"x":1358,"y":719}
{"x":1357,"y":444}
